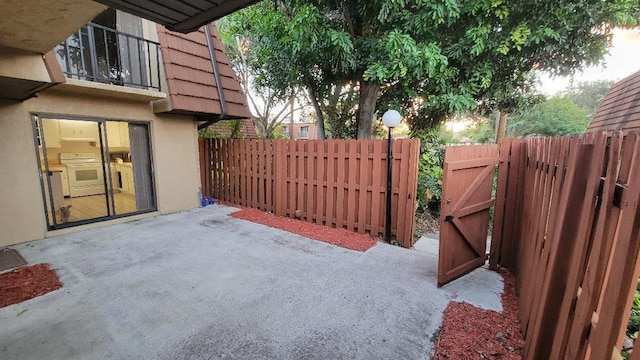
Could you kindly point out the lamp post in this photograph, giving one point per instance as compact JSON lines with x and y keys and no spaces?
{"x":390,"y":119}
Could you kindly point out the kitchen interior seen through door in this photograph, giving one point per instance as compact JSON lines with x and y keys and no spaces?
{"x":93,"y":169}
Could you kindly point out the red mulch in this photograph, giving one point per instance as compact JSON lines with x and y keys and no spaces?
{"x":340,"y":237}
{"x":469,"y":332}
{"x":27,"y":282}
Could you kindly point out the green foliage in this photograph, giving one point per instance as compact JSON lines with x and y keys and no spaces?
{"x":554,"y":117}
{"x":447,"y":136}
{"x":430,"y":171}
{"x":481,"y":131}
{"x":634,"y":320}
{"x":279,"y":133}
{"x":235,"y":128}
{"x":589,"y":95}
{"x":427,"y":59}
{"x":209,"y":134}
{"x":633,"y":326}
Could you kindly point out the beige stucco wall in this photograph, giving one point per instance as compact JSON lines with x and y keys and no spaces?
{"x":174,"y":146}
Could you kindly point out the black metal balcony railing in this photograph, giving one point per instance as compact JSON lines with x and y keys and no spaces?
{"x":98,"y":53}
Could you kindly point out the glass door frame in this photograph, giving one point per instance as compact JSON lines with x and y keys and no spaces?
{"x":105,"y":158}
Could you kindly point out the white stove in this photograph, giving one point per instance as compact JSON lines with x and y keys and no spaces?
{"x":86,"y":176}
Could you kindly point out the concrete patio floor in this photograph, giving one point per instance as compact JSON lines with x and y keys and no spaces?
{"x":202,"y":285}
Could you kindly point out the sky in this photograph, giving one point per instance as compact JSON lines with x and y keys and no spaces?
{"x":622,"y":61}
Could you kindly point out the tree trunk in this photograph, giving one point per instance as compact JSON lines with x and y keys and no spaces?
{"x":319,"y":114}
{"x":369,"y":93}
{"x":502,"y":126}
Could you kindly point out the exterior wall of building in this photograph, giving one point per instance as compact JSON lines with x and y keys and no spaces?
{"x":173,"y":142}
{"x":298,"y":133}
{"x":20,"y":64}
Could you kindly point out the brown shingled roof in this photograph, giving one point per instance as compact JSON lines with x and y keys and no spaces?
{"x":223,"y":129}
{"x":621,"y":107}
{"x":190,"y":79}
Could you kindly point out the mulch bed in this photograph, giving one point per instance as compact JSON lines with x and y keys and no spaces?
{"x":339,"y":237}
{"x":469,"y":332}
{"x":26,"y":283}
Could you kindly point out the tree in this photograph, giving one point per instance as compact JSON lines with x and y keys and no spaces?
{"x":268,"y":104}
{"x":589,"y":95}
{"x":428,"y":59}
{"x":554,"y":117}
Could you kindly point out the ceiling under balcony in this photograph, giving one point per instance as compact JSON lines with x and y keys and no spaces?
{"x":179,"y":15}
{"x":40,"y":25}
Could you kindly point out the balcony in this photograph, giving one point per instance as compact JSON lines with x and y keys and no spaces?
{"x":101,"y":54}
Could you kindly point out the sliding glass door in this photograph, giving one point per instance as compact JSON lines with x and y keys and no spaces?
{"x":93,"y":169}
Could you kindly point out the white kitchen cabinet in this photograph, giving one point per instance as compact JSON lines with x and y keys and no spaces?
{"x":125,"y":182}
{"x":64,"y":178}
{"x":124,"y":134}
{"x":113,"y":133}
{"x":118,"y":133}
{"x":78,"y":130}
{"x":51,"y":129}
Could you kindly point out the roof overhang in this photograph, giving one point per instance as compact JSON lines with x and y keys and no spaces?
{"x":40,"y":25}
{"x":179,"y":15}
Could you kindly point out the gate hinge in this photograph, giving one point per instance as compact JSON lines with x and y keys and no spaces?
{"x":448,"y":218}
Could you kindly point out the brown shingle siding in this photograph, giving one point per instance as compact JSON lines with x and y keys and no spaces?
{"x":621,"y":107}
{"x":190,"y":78}
{"x":223,"y":129}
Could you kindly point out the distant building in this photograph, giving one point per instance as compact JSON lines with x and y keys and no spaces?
{"x":307,"y":131}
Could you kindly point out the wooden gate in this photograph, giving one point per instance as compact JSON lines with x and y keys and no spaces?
{"x":466,"y":200}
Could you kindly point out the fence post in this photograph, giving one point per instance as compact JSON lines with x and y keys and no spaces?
{"x":279,"y":177}
{"x":501,"y":194}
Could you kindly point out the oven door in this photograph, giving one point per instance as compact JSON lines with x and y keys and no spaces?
{"x":85,"y":179}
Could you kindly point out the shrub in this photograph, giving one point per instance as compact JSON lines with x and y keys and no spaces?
{"x":429,"y":172}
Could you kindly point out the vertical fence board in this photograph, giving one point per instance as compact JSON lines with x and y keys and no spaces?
{"x":363,"y":186}
{"x":331,"y":183}
{"x":299,"y":177}
{"x":230,"y":182}
{"x":403,"y":190}
{"x":377,"y":188}
{"x":352,"y":171}
{"x":411,"y":192}
{"x":322,"y":183}
{"x":235,"y":174}
{"x":499,"y":213}
{"x":310,"y":156}
{"x":280,"y":178}
{"x":341,"y":183}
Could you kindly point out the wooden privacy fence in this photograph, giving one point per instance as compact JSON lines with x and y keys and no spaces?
{"x":337,"y":183}
{"x":567,"y":224}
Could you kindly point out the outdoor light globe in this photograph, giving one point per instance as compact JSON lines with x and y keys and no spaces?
{"x":391,"y":118}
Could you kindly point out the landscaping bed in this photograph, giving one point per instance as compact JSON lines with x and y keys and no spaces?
{"x":469,"y":332}
{"x":340,"y":237}
{"x":27,"y":282}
